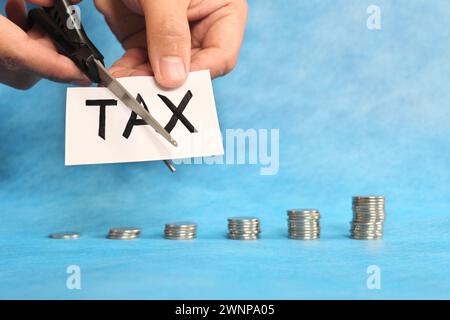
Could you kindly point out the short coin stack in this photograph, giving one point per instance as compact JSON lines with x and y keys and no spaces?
{"x":244,"y":228}
{"x":304,"y":224}
{"x":124,"y":233}
{"x":180,"y":231}
{"x":368,"y":218}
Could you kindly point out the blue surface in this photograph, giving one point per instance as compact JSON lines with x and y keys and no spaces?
{"x":359,"y":112}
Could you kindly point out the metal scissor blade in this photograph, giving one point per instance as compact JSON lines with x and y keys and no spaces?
{"x":108,"y":81}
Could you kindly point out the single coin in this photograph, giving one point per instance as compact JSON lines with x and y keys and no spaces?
{"x":65,"y":236}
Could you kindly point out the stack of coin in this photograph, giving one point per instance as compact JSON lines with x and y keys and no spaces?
{"x":368,"y":218}
{"x":304,"y":224}
{"x":244,"y":228}
{"x":124,"y":233}
{"x":180,"y":231}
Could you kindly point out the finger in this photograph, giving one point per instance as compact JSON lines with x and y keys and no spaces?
{"x":130,"y":60}
{"x":49,"y":64}
{"x":114,"y":12}
{"x":168,"y":40}
{"x":221,"y":36}
{"x":18,"y":80}
{"x":213,"y":59}
{"x":16,"y":12}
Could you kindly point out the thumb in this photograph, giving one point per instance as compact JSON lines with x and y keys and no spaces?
{"x":169,"y":40}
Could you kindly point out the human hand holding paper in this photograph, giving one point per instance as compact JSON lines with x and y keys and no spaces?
{"x":169,"y":38}
{"x":101,"y":129}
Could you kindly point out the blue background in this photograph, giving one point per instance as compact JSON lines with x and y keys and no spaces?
{"x":359,"y":112}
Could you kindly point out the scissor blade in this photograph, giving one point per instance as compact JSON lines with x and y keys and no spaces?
{"x":108,"y":81}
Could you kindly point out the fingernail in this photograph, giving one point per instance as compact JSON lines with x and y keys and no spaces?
{"x":172,"y":68}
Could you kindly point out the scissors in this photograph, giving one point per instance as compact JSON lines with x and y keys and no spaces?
{"x":69,"y":36}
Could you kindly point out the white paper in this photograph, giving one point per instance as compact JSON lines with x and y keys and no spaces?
{"x":85,"y":146}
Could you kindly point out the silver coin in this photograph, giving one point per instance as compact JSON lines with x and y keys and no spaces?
{"x":124,"y":233}
{"x":180,"y":232}
{"x":65,"y":236}
{"x":369,"y":217}
{"x":303,"y":214}
{"x":368,"y":214}
{"x":303,"y":223}
{"x":244,"y":232}
{"x":181,"y":229}
{"x":125,"y":230}
{"x":368,"y":197}
{"x":303,"y":232}
{"x":243,"y":220}
{"x":302,"y":211}
{"x":243,"y":238}
{"x":304,"y":220}
{"x":122,"y":237}
{"x":254,"y":225}
{"x":243,"y":225}
{"x":250,"y":234}
{"x":303,"y":237}
{"x":366,"y":238}
{"x":304,"y":226}
{"x":364,"y":224}
{"x":180,"y":235}
{"x":184,"y":237}
{"x":180,"y":238}
{"x":380,"y":223}
{"x":183,"y":224}
{"x":355,"y":231}
{"x":367,"y":231}
{"x":369,"y":211}
{"x":368,"y":207}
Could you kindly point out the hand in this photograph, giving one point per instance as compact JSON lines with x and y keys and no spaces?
{"x":169,"y":38}
{"x":26,"y":56}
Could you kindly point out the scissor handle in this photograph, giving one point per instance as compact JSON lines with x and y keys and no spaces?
{"x":71,"y":40}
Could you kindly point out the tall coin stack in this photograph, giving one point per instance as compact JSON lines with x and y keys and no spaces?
{"x":244,"y":228}
{"x":180,"y":231}
{"x":304,"y":224}
{"x":368,"y":218}
{"x":124,"y":233}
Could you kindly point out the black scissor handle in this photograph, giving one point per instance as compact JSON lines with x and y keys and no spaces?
{"x":69,"y":36}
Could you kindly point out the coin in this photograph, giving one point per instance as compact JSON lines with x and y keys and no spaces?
{"x":124,"y":233}
{"x":65,"y":236}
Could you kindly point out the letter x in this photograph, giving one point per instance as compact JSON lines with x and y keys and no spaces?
{"x":177,"y":115}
